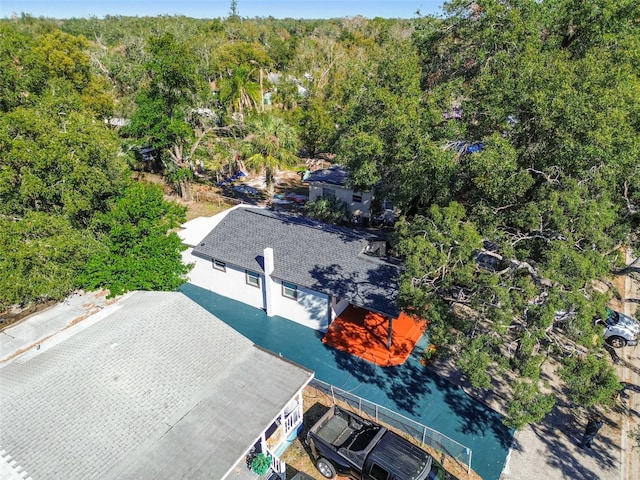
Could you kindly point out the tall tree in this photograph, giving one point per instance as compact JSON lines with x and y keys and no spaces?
{"x":57,"y":159}
{"x":141,"y":250}
{"x":514,"y":160}
{"x":61,"y":173}
{"x":41,"y":256}
{"x":270,"y":145}
{"x":160,"y":118}
{"x":240,"y":90}
{"x":241,"y":66}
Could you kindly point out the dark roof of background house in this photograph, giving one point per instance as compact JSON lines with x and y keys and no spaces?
{"x":157,"y":387}
{"x":311,"y":254}
{"x":334,"y":175}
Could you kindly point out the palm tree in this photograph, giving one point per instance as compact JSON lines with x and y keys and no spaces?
{"x":241,"y":90}
{"x":271,"y":144}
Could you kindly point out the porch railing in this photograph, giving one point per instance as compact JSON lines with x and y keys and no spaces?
{"x":292,"y":420}
{"x":277,"y":465}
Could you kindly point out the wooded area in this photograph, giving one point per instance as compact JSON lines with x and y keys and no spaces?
{"x":506,"y":133}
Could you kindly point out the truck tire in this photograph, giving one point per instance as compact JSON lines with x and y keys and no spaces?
{"x":326,"y":468}
{"x":616,"y":341}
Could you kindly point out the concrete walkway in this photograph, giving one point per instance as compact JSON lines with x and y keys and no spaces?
{"x":550,"y":448}
{"x":31,"y":332}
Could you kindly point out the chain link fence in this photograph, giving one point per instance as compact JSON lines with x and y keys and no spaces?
{"x":424,"y":435}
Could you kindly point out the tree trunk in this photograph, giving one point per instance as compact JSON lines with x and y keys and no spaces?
{"x":185,"y":190}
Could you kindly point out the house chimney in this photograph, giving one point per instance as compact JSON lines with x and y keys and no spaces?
{"x":269,"y":284}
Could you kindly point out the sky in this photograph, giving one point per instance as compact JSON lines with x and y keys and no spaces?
{"x":220,"y":8}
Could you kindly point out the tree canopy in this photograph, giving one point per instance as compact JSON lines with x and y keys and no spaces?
{"x":531,"y":135}
{"x":137,"y":252}
{"x":64,"y":179}
{"x":506,"y":134}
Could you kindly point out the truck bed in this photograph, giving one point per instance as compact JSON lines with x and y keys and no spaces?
{"x":344,"y":431}
{"x":349,"y":441}
{"x":335,"y":430}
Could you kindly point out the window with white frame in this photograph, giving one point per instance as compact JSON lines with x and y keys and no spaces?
{"x":328,"y":192}
{"x":253,"y":278}
{"x":289,"y":290}
{"x":218,"y":265}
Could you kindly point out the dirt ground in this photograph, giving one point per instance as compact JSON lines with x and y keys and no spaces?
{"x":209,"y":199}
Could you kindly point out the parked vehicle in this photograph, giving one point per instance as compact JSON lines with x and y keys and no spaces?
{"x":620,"y":330}
{"x":344,"y":443}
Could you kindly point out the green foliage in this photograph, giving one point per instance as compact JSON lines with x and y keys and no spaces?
{"x":41,"y":255}
{"x":551,"y":190}
{"x":261,"y":463}
{"x":328,"y":209}
{"x":64,"y":56}
{"x":591,"y":381}
{"x":141,"y":250}
{"x":159,"y":118}
{"x":240,"y":90}
{"x":439,"y":252}
{"x":176,"y":176}
{"x":475,"y":359}
{"x":528,"y":405}
{"x":441,"y":321}
{"x":57,"y":162}
{"x":18,"y":77}
{"x":525,"y":360}
{"x":271,"y":144}
{"x":317,"y":128}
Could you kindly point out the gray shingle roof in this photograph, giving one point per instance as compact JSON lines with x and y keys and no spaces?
{"x":159,"y":388}
{"x":334,"y":175}
{"x":311,"y":254}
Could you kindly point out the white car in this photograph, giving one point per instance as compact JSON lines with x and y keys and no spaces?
{"x":619,"y":329}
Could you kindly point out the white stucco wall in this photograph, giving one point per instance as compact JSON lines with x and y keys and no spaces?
{"x":346,"y":195}
{"x":231,"y":284}
{"x":310,"y":308}
{"x":199,"y":274}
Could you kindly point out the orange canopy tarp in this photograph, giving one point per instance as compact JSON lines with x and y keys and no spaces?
{"x":365,"y":334}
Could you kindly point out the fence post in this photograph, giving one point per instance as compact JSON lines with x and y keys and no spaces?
{"x":424,"y":435}
{"x":469,"y":453}
{"x":359,"y":405}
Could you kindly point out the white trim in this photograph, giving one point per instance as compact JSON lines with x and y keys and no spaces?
{"x":252,"y":278}
{"x":292,"y":287}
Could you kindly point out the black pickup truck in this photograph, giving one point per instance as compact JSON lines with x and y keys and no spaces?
{"x":347,"y":444}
